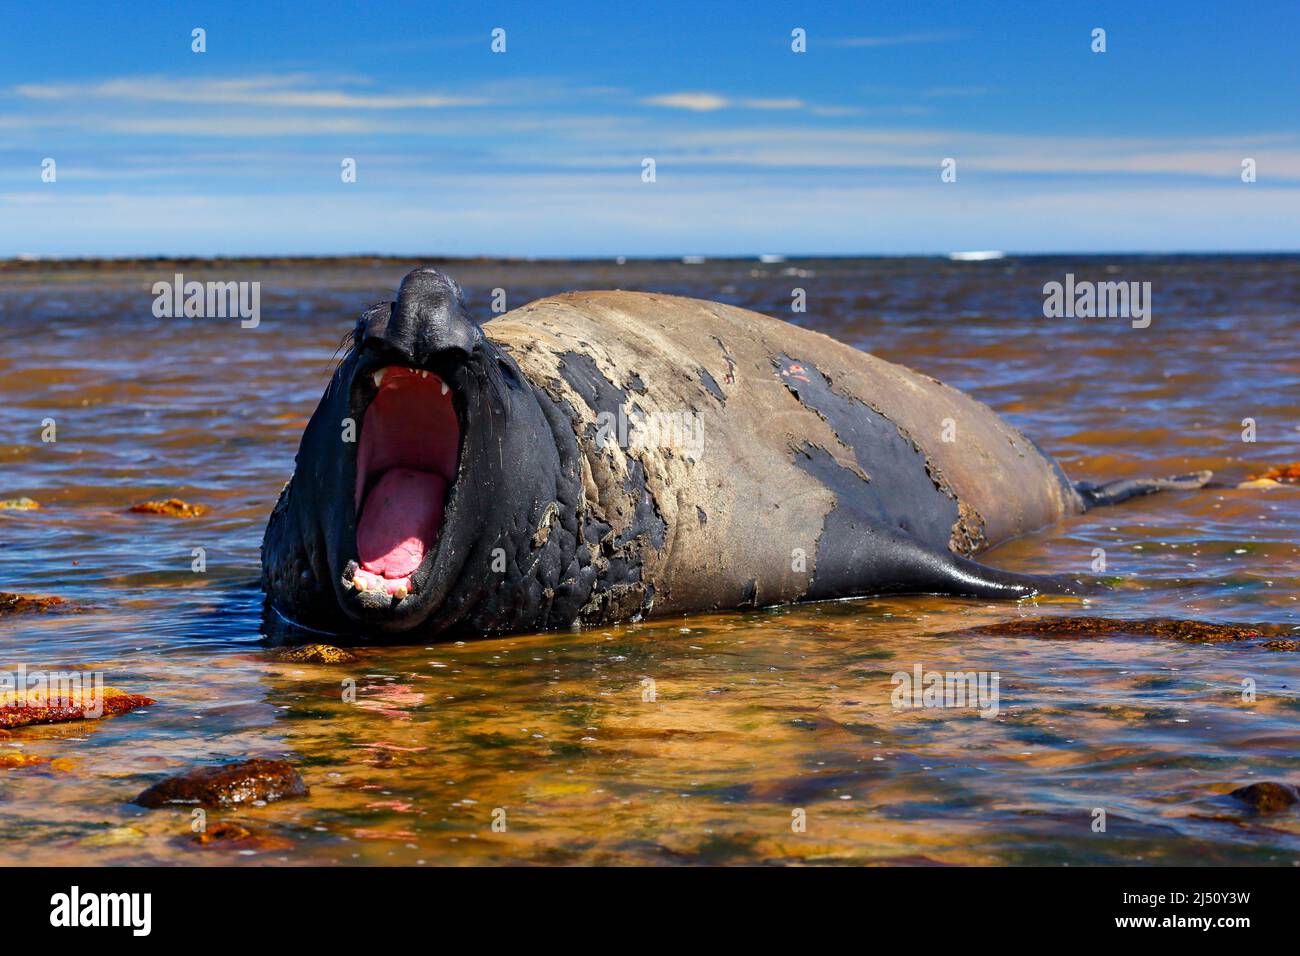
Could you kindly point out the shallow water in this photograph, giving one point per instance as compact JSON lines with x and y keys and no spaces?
{"x":686,"y":740}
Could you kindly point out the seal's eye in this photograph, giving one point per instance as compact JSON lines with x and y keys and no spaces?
{"x":406,"y":465}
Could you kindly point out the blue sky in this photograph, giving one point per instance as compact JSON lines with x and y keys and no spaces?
{"x":538,"y":151}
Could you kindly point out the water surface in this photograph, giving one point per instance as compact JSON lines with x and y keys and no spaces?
{"x":756,"y":720}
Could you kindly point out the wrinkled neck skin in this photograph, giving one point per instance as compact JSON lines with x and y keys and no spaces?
{"x":509,"y":530}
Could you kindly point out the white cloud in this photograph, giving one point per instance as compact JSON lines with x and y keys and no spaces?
{"x":835,"y":110}
{"x":280,"y":91}
{"x":696,"y":102}
{"x":1277,"y":155}
{"x":227,"y":126}
{"x":611,"y":214}
{"x":712,"y":102}
{"x":787,"y":103}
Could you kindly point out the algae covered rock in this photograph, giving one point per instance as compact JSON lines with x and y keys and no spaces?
{"x":228,"y":785}
{"x":19,"y":504}
{"x":314,"y":654}
{"x":1267,"y":797}
{"x":18,"y":709}
{"x":171,"y":507}
{"x":11,"y":603}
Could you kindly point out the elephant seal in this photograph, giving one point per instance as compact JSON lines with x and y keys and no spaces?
{"x":601,"y":456}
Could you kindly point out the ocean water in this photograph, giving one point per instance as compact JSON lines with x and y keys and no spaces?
{"x":770,"y":736}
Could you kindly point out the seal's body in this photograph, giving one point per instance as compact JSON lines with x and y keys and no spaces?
{"x":599,"y":456}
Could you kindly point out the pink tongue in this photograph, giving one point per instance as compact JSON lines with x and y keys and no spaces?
{"x":399,"y":521}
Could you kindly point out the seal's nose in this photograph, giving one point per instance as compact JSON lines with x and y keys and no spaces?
{"x":428,"y":319}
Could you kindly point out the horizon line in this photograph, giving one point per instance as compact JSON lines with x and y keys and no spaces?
{"x":684,"y":258}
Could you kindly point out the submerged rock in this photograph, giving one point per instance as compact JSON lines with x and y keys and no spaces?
{"x":12,"y":761}
{"x":171,"y":507}
{"x":228,"y":785}
{"x":11,"y":603}
{"x":228,"y":835}
{"x":17,"y":711}
{"x":114,"y":836}
{"x":1282,"y":474}
{"x":1170,"y":628}
{"x":19,"y":504}
{"x":314,"y":654}
{"x":1267,"y":797}
{"x":222,"y":832}
{"x":1282,"y":645}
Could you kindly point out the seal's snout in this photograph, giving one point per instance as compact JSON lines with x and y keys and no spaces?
{"x":428,"y":321}
{"x":430,"y":311}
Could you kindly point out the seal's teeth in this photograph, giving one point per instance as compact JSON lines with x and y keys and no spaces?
{"x":400,"y":592}
{"x":445,"y":389}
{"x":359,"y":583}
{"x":378,"y":377}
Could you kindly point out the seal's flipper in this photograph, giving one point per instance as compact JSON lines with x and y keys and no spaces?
{"x":964,"y":578}
{"x":1113,"y":492}
{"x":941,"y":572}
{"x":876,"y":560}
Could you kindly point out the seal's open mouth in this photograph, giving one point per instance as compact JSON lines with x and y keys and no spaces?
{"x":406,"y":464}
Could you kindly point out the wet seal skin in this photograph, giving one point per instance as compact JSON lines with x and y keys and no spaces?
{"x":464,"y":479}
{"x":227,"y":786}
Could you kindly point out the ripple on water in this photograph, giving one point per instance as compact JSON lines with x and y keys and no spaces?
{"x":769,"y":736}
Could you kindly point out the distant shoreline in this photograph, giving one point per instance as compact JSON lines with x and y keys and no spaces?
{"x":125,"y":263}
